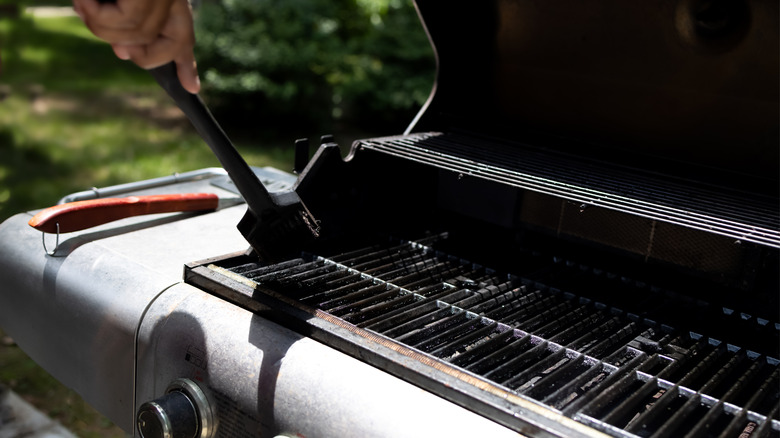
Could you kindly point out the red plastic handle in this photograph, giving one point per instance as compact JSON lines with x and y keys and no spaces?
{"x":79,"y":215}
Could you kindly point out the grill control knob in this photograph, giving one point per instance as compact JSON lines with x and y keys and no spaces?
{"x":183,"y":412}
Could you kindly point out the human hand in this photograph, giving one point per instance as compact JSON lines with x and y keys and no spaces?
{"x":151,"y":33}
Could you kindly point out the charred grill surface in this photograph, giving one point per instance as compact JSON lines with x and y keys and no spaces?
{"x":618,"y":371}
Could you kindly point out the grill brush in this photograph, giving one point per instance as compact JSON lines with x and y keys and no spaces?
{"x":275,"y":222}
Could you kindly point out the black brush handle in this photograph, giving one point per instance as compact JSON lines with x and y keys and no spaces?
{"x":247,"y":183}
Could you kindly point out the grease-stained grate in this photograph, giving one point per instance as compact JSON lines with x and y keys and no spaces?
{"x":609,"y":369}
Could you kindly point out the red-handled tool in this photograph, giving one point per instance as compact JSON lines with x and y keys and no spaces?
{"x":79,"y":215}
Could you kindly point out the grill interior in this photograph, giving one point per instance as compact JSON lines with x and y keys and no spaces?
{"x":607,"y":296}
{"x":671,"y":370}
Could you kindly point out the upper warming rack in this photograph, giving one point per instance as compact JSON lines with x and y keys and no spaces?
{"x":745,"y":217}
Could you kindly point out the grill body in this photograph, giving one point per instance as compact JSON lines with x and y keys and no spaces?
{"x":77,"y":314}
{"x":265,"y":379}
{"x":577,"y":236}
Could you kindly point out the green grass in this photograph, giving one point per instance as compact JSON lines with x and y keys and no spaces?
{"x":72,"y":116}
{"x":62,"y":54}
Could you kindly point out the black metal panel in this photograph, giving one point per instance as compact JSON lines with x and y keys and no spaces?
{"x":647,"y":84}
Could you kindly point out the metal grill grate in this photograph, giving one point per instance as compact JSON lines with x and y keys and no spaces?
{"x":609,"y":369}
{"x":743,"y":216}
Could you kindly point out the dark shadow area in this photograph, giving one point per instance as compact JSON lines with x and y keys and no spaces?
{"x":269,"y":372}
{"x":27,"y":175}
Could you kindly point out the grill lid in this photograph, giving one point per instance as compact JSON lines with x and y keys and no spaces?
{"x":685,"y":87}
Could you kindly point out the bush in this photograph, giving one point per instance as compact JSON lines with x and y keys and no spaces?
{"x":314,"y":61}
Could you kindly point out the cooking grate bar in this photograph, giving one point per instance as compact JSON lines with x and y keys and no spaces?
{"x":323,"y":286}
{"x":539,"y":350}
{"x":558,"y":378}
{"x":538,"y":303}
{"x":599,"y":384}
{"x":761,"y":400}
{"x":698,"y":412}
{"x":617,"y":398}
{"x":686,"y":360}
{"x":365,"y":297}
{"x":395,"y":268}
{"x":286,"y":272}
{"x":581,"y":327}
{"x":382,"y":321}
{"x":519,"y":344}
{"x":767,"y":428}
{"x":696,"y":378}
{"x":731,"y":378}
{"x":471,"y":298}
{"x":552,"y":315}
{"x":505,"y":336}
{"x":269,"y":273}
{"x":719,"y":417}
{"x":484,"y":300}
{"x":664,"y":402}
{"x":742,"y":426}
{"x":460,"y":335}
{"x":527,"y":378}
{"x":636,"y":405}
{"x":556,"y":328}
{"x":449,"y":318}
{"x":350,"y":290}
{"x":598,"y":341}
{"x":608,"y":344}
{"x":688,"y":416}
{"x":578,"y":385}
{"x":469,"y":339}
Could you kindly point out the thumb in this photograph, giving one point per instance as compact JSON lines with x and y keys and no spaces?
{"x":187,"y":70}
{"x":121,"y":52}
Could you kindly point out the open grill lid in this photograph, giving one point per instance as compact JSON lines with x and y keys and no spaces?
{"x":684,"y":87}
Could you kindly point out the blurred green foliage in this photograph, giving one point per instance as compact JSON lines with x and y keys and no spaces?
{"x":27,"y":3}
{"x":315,"y":62}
